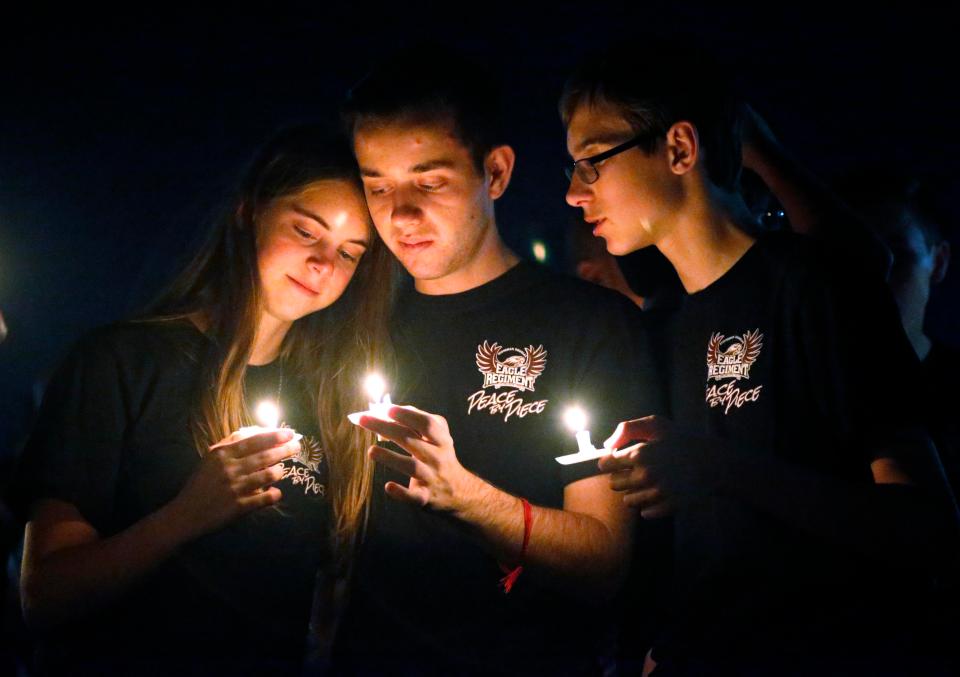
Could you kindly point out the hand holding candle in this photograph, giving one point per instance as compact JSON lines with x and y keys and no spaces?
{"x":667,"y":467}
{"x":437,"y":479}
{"x":234,"y":477}
{"x":576,"y":419}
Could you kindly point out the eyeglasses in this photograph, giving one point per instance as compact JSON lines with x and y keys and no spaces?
{"x":585,"y":168}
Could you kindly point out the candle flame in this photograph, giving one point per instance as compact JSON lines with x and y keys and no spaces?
{"x":268,"y":414}
{"x":575,"y":418}
{"x":375,"y":386}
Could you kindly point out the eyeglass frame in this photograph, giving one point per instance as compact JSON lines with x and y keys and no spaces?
{"x":570,"y":172}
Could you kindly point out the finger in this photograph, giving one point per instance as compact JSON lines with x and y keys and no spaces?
{"x":259,"y":442}
{"x":405,"y":437}
{"x":261,"y":499}
{"x":635,"y":479}
{"x":644,"y":498}
{"x":617,"y":438}
{"x":390,"y":430}
{"x":616,"y":463}
{"x":427,"y":425}
{"x":652,"y":455}
{"x":398,"y":492}
{"x":268,"y":457}
{"x":236,"y":436}
{"x":637,"y":430}
{"x":260,"y":479}
{"x":222,"y":454}
{"x":619,"y":476}
{"x":657,"y":511}
{"x":401,"y":463}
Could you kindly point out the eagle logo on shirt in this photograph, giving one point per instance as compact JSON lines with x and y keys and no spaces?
{"x":732,"y":357}
{"x":510,"y":367}
{"x":304,"y":468}
{"x":516,"y":371}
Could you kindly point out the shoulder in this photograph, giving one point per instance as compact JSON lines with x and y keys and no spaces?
{"x":571,"y":294}
{"x":790,"y":254}
{"x":827,"y":291}
{"x":793,"y":256}
{"x":136,"y":344}
{"x":145,"y":336}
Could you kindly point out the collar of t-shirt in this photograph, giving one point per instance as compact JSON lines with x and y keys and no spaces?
{"x":674,"y":297}
{"x":508,"y":284}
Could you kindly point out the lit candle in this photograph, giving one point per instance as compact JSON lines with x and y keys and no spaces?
{"x":379,"y":404}
{"x":268,"y":414}
{"x":576,"y":420}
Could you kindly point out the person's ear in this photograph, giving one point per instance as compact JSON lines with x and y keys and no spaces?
{"x":941,"y":262}
{"x":498,"y":168}
{"x":683,"y":147}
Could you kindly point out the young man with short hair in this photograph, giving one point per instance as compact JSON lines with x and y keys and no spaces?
{"x":494,"y":349}
{"x":809,"y":509}
{"x":906,"y":214}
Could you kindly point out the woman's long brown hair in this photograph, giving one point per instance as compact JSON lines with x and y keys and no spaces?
{"x":331,"y":350}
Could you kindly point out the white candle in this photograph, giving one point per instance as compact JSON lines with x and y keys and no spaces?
{"x":576,"y":420}
{"x":379,"y":397}
{"x":267,"y":415}
{"x":583,"y":442}
{"x":380,"y":402}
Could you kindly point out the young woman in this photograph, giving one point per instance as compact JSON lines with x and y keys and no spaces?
{"x":161,"y":538}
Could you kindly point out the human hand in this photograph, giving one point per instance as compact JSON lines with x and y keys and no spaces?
{"x":234,"y":478}
{"x":667,"y":469}
{"x":604,"y":270}
{"x":437,"y":480}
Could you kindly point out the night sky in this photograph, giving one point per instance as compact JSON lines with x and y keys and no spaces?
{"x":120,"y":135}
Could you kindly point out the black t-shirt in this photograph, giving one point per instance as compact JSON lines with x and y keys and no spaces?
{"x":940,"y":371}
{"x":500,"y":362}
{"x":787,"y":355}
{"x":113,"y":439}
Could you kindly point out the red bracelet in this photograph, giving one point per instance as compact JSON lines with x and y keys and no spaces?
{"x":513,"y":574}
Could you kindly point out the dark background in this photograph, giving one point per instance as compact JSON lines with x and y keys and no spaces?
{"x":121,"y":134}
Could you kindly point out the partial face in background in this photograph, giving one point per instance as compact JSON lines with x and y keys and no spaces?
{"x":308,"y":247}
{"x":429,"y":203}
{"x":635,"y":195}
{"x":916,"y":266}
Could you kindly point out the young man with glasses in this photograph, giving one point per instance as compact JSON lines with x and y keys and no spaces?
{"x":490,"y":350}
{"x":809,"y":509}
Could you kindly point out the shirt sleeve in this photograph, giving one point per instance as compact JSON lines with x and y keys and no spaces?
{"x":74,"y":451}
